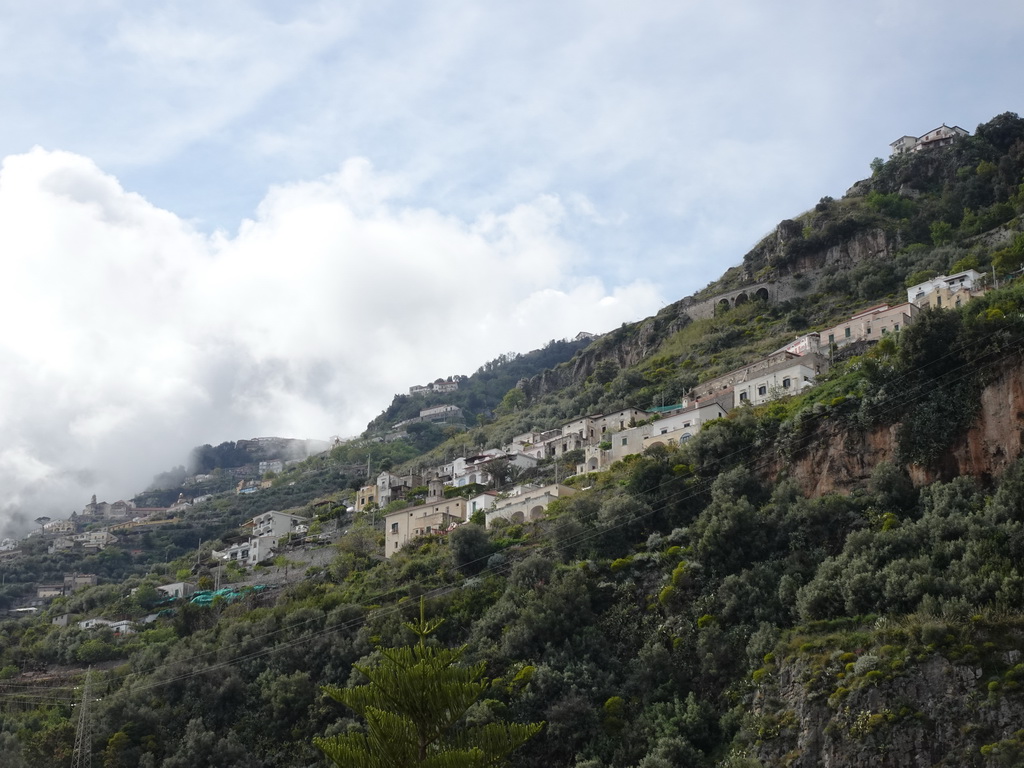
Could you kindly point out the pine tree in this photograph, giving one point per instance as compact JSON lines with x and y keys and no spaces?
{"x":412,"y":705}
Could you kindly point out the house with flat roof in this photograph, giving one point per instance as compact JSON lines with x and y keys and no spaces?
{"x":437,"y":516}
{"x":869,"y":324}
{"x":942,"y":136}
{"x":947,"y":291}
{"x":791,"y":379}
{"x":274,"y":523}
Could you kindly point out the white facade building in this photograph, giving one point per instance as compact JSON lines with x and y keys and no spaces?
{"x":946,"y":291}
{"x":249,"y":551}
{"x":274,"y":523}
{"x":791,"y":380}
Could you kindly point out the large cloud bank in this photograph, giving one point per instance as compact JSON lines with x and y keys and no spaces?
{"x":129,"y":336}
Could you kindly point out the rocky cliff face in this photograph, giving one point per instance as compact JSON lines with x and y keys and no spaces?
{"x":779,"y":257}
{"x":839,"y":460}
{"x":792,"y":279}
{"x":626,"y":346}
{"x":903,"y":705}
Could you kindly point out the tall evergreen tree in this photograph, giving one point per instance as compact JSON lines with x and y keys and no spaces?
{"x":412,"y":706}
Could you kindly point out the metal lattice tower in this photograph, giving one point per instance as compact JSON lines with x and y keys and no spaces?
{"x":82,"y":756}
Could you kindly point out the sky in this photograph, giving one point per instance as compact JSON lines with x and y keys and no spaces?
{"x":234,"y":219}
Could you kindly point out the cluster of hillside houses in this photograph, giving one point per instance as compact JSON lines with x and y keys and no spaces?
{"x":602,"y":439}
{"x":595,"y":442}
{"x":97,"y":526}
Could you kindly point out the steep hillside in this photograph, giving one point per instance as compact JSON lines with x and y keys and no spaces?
{"x":834,"y":578}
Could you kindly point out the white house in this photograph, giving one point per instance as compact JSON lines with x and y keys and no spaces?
{"x":274,"y":523}
{"x":392,"y":487}
{"x":177,"y":589}
{"x":771,"y":385}
{"x":482,"y":501}
{"x":946,"y":291}
{"x":248,"y":551}
{"x":123,"y":627}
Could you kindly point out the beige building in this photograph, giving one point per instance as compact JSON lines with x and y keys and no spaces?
{"x":73,"y":581}
{"x":528,"y":505}
{"x":59,"y":526}
{"x":869,"y":325}
{"x":368,"y":494}
{"x":438,"y":515}
{"x":90,"y":541}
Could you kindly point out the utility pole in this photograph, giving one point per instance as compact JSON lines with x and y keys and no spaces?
{"x":82,"y":756}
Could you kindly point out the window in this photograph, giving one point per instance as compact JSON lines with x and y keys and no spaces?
{"x":847,"y":333}
{"x":625,"y":440}
{"x":868,"y":331}
{"x":394,"y":528}
{"x":885,"y":331}
{"x":831,"y":338}
{"x":938,"y":301}
{"x":896,"y":326}
{"x":786,"y":382}
{"x":743,"y":396}
{"x":762,"y":390}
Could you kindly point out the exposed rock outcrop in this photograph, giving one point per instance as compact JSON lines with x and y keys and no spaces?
{"x":838,"y":460}
{"x":921,"y":710}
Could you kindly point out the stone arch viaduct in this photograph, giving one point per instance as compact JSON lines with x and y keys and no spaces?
{"x":767,"y":292}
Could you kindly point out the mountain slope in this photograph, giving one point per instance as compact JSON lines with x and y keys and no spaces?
{"x":832,"y":577}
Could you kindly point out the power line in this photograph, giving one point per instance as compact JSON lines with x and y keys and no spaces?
{"x":82,"y":755}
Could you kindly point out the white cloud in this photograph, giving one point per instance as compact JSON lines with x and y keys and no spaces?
{"x":131,"y":337}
